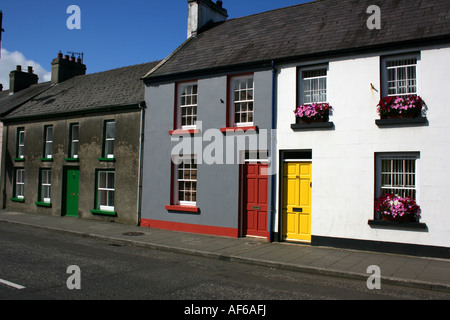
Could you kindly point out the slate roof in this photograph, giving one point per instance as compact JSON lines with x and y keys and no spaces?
{"x":8,"y":101}
{"x":86,"y":93}
{"x":305,"y":30}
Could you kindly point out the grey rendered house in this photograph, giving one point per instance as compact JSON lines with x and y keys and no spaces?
{"x":208,"y":141}
{"x":74,"y":149}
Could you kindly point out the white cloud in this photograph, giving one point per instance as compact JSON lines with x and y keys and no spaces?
{"x":9,"y":61}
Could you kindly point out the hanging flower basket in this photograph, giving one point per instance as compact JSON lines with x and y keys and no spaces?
{"x":315,"y":112}
{"x":395,"y":208}
{"x":401,"y":107}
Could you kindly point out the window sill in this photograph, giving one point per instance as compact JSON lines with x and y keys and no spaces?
{"x":418,"y":121}
{"x":312,"y":125}
{"x":107,"y":159}
{"x":413,"y":226}
{"x":43,"y":204}
{"x":72,"y":159}
{"x":19,"y":159}
{"x":46,"y":159}
{"x":103,"y":212}
{"x":22,"y":200}
{"x":183,"y":132}
{"x":238,"y":129}
{"x":182,"y":208}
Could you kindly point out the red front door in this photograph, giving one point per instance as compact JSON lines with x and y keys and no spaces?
{"x":255,"y":200}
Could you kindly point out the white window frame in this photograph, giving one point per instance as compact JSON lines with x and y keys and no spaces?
{"x":397,"y":63}
{"x":48,"y":141}
{"x":74,"y":141}
{"x":109,"y":139}
{"x":46,"y":184}
{"x":20,"y":183}
{"x":21,"y":143}
{"x":397,"y":173}
{"x":318,"y":86}
{"x":180,"y":182}
{"x":107,"y":189}
{"x":187,"y":100}
{"x":236,"y":83}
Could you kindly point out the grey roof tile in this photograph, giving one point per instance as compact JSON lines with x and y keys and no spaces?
{"x":117,"y":87}
{"x":317,"y":27}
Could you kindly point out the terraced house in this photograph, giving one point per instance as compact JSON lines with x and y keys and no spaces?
{"x":72,"y":146}
{"x":246,"y":75}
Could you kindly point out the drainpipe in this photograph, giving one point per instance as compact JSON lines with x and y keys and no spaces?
{"x":142,"y":106}
{"x":273,"y":148}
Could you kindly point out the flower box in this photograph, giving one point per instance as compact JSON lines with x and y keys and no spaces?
{"x":313,"y":113}
{"x":401,"y":107}
{"x":392,"y":207}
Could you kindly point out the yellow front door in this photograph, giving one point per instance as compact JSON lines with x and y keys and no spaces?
{"x":296,"y":216}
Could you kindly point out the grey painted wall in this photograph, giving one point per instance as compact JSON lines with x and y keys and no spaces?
{"x":218,"y":185}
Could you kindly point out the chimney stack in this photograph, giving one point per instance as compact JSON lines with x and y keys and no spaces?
{"x":19,"y":80}
{"x":202,"y":12}
{"x":64,"y":68}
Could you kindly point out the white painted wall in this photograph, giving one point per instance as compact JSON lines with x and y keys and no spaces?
{"x":344,"y":158}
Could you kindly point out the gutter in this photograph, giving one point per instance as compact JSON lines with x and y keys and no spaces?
{"x":273,"y":150}
{"x":142,"y":106}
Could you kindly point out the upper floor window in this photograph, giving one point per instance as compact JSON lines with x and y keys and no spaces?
{"x":187,"y":105}
{"x":20,"y":143}
{"x":74,"y":140}
{"x":48,"y":142}
{"x":399,"y":75}
{"x":313,"y":85}
{"x":242,"y":97}
{"x":109,"y":136}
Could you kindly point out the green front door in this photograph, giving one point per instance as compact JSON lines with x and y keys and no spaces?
{"x":72,"y":177}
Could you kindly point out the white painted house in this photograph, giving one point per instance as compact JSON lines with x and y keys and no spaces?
{"x":345,"y":157}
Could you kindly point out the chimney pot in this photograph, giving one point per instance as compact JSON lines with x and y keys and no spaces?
{"x":60,"y":55}
{"x":202,"y":12}
{"x":19,"y":80}
{"x":63,"y":69}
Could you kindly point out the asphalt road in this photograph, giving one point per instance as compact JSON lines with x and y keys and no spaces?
{"x":36,"y":265}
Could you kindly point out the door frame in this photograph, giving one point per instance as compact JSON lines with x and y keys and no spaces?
{"x":246,"y":157}
{"x":64,"y":189}
{"x":299,"y":156}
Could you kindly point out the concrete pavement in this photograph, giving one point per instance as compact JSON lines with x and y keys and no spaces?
{"x":419,"y":272}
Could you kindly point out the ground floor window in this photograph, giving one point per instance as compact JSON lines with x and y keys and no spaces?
{"x":105,"y":190}
{"x":19,"y":183}
{"x":186,"y":179}
{"x":397,"y":173}
{"x":45,"y":185}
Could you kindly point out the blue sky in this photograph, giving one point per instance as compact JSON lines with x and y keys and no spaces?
{"x":113,"y":33}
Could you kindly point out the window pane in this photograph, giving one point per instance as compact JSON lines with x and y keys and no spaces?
{"x":110,"y":130}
